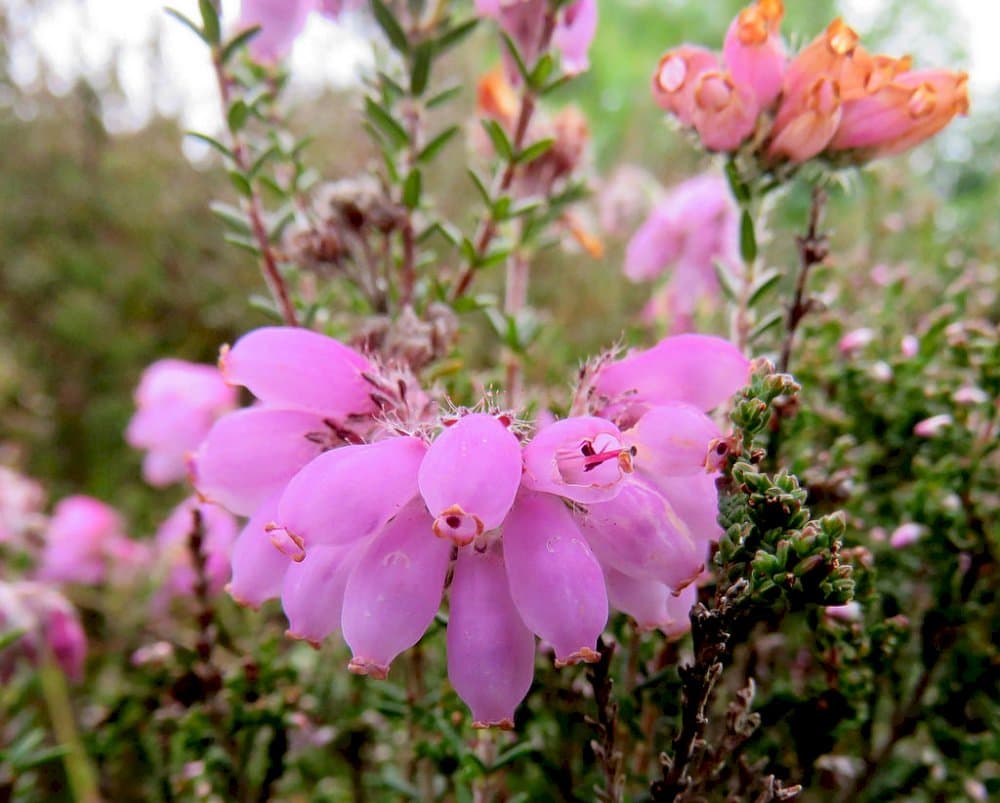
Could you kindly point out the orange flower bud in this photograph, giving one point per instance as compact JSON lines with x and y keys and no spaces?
{"x":495,"y":98}
{"x":675,"y":78}
{"x":810,"y":131}
{"x":725,"y":114}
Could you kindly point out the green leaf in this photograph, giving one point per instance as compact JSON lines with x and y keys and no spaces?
{"x":241,"y":183}
{"x":511,"y":46}
{"x":726,"y":281}
{"x":444,"y":96}
{"x":773,"y":319}
{"x":188,"y":23}
{"x":232,"y":216}
{"x":240,"y":40}
{"x":501,"y":144}
{"x":483,"y":191}
{"x":412,"y":188}
{"x":386,"y":123}
{"x":541,"y":71}
{"x":237,"y":115}
{"x":453,"y":36}
{"x":8,"y":638}
{"x":432,"y":148}
{"x":512,"y":754}
{"x":210,"y":21}
{"x":390,"y":26}
{"x":763,"y":286}
{"x":212,"y":143}
{"x":261,"y":160}
{"x":247,"y":244}
{"x":421,"y":71}
{"x":739,"y":188}
{"x":748,"y":240}
{"x":533,"y":151}
{"x":501,"y":207}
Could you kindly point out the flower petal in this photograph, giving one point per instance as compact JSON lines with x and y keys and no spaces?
{"x":258,"y":568}
{"x":673,"y":439}
{"x":313,"y":591}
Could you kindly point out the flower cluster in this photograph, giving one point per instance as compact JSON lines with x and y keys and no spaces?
{"x":43,"y":623}
{"x":832,"y":99}
{"x":690,"y":233}
{"x":363,"y":509}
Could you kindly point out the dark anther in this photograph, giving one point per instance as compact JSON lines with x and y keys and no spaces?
{"x":453,"y":522}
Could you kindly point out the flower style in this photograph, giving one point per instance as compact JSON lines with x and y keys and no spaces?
{"x":85,"y":542}
{"x":695,"y":227}
{"x":48,"y":625}
{"x":833,"y":99}
{"x":177,"y":404}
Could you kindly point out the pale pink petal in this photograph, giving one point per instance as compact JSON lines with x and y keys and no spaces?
{"x":644,"y":600}
{"x":583,"y":458}
{"x":258,"y":568}
{"x":351,"y":492}
{"x":313,"y":591}
{"x":755,"y":56}
{"x":679,"y":612}
{"x":673,"y":439}
{"x":470,"y":476}
{"x":395,"y":590}
{"x":297,"y":368}
{"x":695,"y":498}
{"x":281,"y":23}
{"x":250,"y":455}
{"x":555,"y":580}
{"x":638,"y":533}
{"x":491,"y":654}
{"x":575,"y":33}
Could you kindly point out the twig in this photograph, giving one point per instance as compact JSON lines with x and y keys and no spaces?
{"x":604,"y":746}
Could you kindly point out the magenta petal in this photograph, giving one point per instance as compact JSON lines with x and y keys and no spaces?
{"x":700,"y":370}
{"x":258,"y":568}
{"x":673,"y":439}
{"x":644,"y":600}
{"x":302,"y":369}
{"x":313,"y":591}
{"x":394,"y":591}
{"x":351,"y":492}
{"x":250,"y":455}
{"x":555,"y":580}
{"x":695,"y":499}
{"x":638,"y":533}
{"x":582,"y":458}
{"x":491,"y":654}
{"x":470,"y":476}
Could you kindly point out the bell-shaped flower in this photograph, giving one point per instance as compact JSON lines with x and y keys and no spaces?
{"x":584,"y":458}
{"x":754,"y":53}
{"x":258,"y":567}
{"x":555,"y":580}
{"x":350,"y":493}
{"x":469,"y":477}
{"x":85,"y":542}
{"x":676,"y":77}
{"x":639,"y":534}
{"x":47,"y":624}
{"x":177,"y":404}
{"x":250,"y":455}
{"x":173,"y":548}
{"x":491,"y":653}
{"x":574,"y":34}
{"x":394,"y":591}
{"x":281,"y":22}
{"x":651,"y":604}
{"x":901,"y":114}
{"x":699,"y":370}
{"x":835,"y":54}
{"x":804,"y":130}
{"x":725,"y":113}
{"x":286,"y":366}
{"x":694,"y":498}
{"x":313,"y":591}
{"x":673,"y":439}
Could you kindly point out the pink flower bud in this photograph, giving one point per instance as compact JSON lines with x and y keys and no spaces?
{"x":855,"y":340}
{"x":676,"y":77}
{"x":177,"y":404}
{"x":584,"y":459}
{"x":491,"y":654}
{"x":933,"y":426}
{"x":470,"y":476}
{"x":394,"y":591}
{"x":48,"y":625}
{"x":350,"y":493}
{"x":850,"y":612}
{"x":906,"y":535}
{"x":753,"y":50}
{"x":806,"y":124}
{"x":971,"y":395}
{"x":555,"y":580}
{"x":910,"y":346}
{"x":725,"y":114}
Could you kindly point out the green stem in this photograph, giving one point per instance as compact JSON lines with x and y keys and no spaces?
{"x":81,"y":775}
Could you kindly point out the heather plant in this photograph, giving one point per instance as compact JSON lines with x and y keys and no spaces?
{"x":752,"y":560}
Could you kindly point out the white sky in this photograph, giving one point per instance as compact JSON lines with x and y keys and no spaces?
{"x":85,"y":36}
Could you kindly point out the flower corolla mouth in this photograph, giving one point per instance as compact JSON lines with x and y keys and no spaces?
{"x":368,"y":667}
{"x":460,"y":527}
{"x":286,"y":542}
{"x":583,"y":655}
{"x":598,"y":461}
{"x":506,"y":724}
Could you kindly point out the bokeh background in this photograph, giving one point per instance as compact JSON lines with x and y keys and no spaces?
{"x":109,"y":257}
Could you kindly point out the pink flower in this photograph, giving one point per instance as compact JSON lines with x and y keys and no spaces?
{"x":21,"y":503}
{"x":906,"y":535}
{"x":725,"y":113}
{"x":676,"y":77}
{"x":574,"y":34}
{"x":694,"y":227}
{"x":48,"y":624}
{"x":850,"y":612}
{"x":933,"y":426}
{"x":753,"y":50}
{"x":855,"y":340}
{"x":177,"y":404}
{"x":173,"y":546}
{"x":281,"y":22}
{"x":85,"y":543}
{"x":651,"y":604}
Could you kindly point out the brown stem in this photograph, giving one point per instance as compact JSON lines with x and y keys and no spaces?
{"x":489,"y":225}
{"x":268,"y":262}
